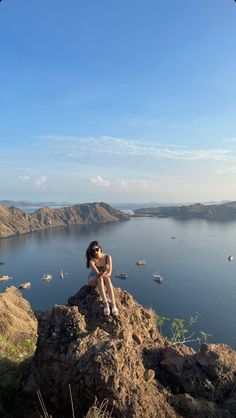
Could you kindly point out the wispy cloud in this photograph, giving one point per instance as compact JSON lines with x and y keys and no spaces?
{"x":40,"y":183}
{"x":24,"y":178}
{"x":100,"y":181}
{"x":140,"y":184}
{"x":98,"y":150}
{"x":226,"y":170}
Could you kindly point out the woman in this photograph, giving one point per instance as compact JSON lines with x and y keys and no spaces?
{"x":101,"y":268}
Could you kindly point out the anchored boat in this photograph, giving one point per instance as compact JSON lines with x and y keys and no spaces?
{"x":5,"y":278}
{"x":122,"y":275}
{"x":157,"y":277}
{"x":47,"y":277}
{"x":25,"y":285}
{"x":140,"y":262}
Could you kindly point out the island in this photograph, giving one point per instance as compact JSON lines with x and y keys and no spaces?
{"x":218,"y":212}
{"x":15,"y":221}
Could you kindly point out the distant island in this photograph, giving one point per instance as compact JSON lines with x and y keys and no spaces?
{"x":219,"y":212}
{"x":27,"y":203}
{"x":15,"y":221}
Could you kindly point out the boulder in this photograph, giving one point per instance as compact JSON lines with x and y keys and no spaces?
{"x":98,"y":357}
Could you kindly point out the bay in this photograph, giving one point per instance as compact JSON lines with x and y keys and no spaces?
{"x":197,"y":274}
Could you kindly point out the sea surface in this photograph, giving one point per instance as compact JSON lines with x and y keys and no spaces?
{"x":192,"y":257}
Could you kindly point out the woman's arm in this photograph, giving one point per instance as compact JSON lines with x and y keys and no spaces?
{"x":95,"y":269}
{"x":108,"y":271}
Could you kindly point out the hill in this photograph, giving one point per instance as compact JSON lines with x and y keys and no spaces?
{"x":223,"y":212}
{"x":15,"y":221}
{"x":123,"y":359}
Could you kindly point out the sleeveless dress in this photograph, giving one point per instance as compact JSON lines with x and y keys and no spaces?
{"x":101,"y":269}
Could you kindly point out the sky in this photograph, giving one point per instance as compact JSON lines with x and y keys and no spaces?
{"x":118,"y":101}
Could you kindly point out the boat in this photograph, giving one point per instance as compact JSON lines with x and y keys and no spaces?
{"x":230,"y":258}
{"x":25,"y":285}
{"x":62,"y":275}
{"x":122,"y":275}
{"x":47,"y":277}
{"x":140,"y":262}
{"x":5,"y":278}
{"x":157,"y":277}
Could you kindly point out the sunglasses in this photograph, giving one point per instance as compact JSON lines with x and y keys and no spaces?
{"x":95,"y":250}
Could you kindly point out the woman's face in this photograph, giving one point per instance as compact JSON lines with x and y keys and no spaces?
{"x":96,"y":251}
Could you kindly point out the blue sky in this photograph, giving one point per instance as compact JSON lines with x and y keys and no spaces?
{"x":120,"y":101}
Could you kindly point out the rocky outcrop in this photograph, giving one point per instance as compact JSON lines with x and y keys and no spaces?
{"x":124,"y":359}
{"x":14,"y":221}
{"x":17,"y":320}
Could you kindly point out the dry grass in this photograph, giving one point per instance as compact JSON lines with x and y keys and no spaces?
{"x":98,"y":411}
{"x":95,"y":411}
{"x":13,"y":358}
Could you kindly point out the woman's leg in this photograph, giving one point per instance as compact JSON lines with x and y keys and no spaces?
{"x":101,"y":289}
{"x":110,"y":291}
{"x":98,"y":281}
{"x":92,"y":281}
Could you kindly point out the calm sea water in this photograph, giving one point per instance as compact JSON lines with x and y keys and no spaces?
{"x":197,"y":274}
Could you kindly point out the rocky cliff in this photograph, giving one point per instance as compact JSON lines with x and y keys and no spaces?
{"x":125,"y":360}
{"x":14,"y":221}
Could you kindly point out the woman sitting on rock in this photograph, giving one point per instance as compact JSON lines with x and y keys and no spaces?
{"x":101,"y":268}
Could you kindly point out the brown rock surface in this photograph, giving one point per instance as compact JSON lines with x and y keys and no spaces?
{"x":124,"y":359}
{"x":17,"y":320}
{"x":14,"y":221}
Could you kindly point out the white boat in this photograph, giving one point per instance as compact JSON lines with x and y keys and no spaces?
{"x":47,"y":277}
{"x":230,"y":258}
{"x":122,"y":275}
{"x":157,"y":277}
{"x":5,"y":278}
{"x":25,"y":285}
{"x":62,"y":275}
{"x":140,"y":262}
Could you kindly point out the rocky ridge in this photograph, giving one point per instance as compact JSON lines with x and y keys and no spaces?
{"x":15,"y":221}
{"x":125,"y":360}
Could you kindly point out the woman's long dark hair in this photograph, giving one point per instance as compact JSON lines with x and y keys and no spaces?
{"x":89,"y":253}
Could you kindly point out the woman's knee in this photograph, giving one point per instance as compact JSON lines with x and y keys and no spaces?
{"x":100,"y":280}
{"x":92,"y":281}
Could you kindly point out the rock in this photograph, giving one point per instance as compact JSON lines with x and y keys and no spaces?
{"x":218,"y":361}
{"x":197,"y":408}
{"x":17,"y":320}
{"x":98,"y":356}
{"x":125,"y":360}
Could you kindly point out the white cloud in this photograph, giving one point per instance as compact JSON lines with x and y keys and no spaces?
{"x":24,"y":178}
{"x":39,"y":183}
{"x":100,"y":181}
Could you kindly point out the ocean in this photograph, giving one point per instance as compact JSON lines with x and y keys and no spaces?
{"x":192,"y":257}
